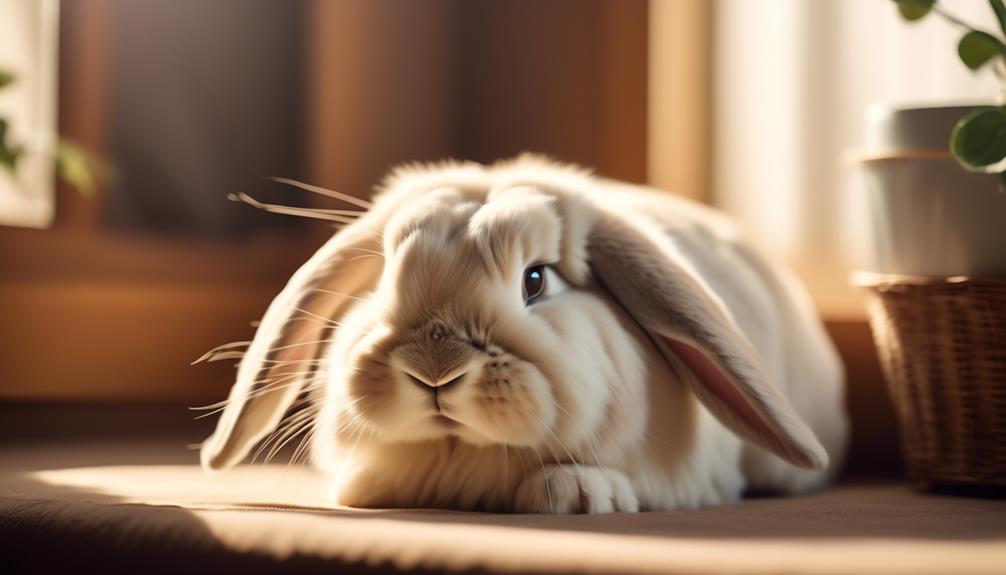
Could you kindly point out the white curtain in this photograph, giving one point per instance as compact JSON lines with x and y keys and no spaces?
{"x":791,"y":82}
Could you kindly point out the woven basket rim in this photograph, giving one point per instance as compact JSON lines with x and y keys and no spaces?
{"x":867,"y":279}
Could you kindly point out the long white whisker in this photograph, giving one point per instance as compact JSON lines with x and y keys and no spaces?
{"x":297,"y":452}
{"x":288,"y":424}
{"x":220,"y":406}
{"x":353,"y":419}
{"x":346,"y":295}
{"x":346,"y":213}
{"x":302,"y":425}
{"x":359,"y":435}
{"x":289,"y":210}
{"x":324,"y":192}
{"x":587,"y":437}
{"x":281,"y":362}
{"x":544,"y":477}
{"x":562,"y":444}
{"x":227,"y":347}
{"x":305,"y":443}
{"x":318,"y":317}
{"x":277,"y":377}
{"x":222,"y":355}
{"x":365,"y":250}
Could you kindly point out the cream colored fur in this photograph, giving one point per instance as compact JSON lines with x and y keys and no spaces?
{"x":678,"y":369}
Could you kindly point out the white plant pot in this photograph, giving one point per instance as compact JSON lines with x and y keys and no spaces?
{"x":925,"y":215}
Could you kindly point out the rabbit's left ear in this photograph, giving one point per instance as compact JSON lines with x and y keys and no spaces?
{"x":284,"y":355}
{"x":651,"y":281}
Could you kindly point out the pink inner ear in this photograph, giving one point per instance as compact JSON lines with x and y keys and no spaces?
{"x":713,"y":379}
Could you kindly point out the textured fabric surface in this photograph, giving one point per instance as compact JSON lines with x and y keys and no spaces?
{"x":174,"y":518}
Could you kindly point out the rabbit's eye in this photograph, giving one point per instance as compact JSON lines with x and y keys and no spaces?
{"x":534,"y":283}
{"x":541,"y":282}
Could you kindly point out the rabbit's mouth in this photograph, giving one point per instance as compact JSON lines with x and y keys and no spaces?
{"x":482,"y":394}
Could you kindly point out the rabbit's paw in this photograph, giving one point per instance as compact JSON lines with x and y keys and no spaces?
{"x":575,"y":489}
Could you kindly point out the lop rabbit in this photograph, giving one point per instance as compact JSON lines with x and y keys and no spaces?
{"x":528,"y":337}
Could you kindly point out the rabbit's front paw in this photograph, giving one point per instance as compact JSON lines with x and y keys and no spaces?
{"x":575,"y":489}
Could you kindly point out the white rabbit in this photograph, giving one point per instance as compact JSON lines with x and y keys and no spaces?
{"x":528,"y":337}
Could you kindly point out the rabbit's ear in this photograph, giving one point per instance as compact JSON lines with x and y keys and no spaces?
{"x":283,"y":356}
{"x":642,"y":270}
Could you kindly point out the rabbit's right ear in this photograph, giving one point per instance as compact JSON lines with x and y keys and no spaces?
{"x":283,"y":355}
{"x":646,"y":274}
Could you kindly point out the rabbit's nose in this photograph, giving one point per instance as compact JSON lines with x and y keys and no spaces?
{"x":429,"y":383}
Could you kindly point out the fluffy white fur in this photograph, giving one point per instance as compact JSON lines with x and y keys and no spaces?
{"x":677,"y":369}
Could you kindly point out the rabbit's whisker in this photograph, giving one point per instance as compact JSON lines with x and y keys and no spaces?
{"x":290,"y":424}
{"x":227,"y":347}
{"x":544,"y":476}
{"x":220,"y":406}
{"x":364,"y":257}
{"x":281,"y":362}
{"x":317,"y":317}
{"x":324,"y":192}
{"x":346,"y":213}
{"x":354,"y":416}
{"x":364,"y":250}
{"x":587,"y":437}
{"x":562,"y":444}
{"x":301,"y":343}
{"x":295,"y":429}
{"x":300,"y":451}
{"x":289,"y":210}
{"x":360,"y":430}
{"x":346,"y":295}
{"x":262,"y":380}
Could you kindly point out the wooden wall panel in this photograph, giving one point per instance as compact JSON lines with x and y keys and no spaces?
{"x":564,"y":77}
{"x":90,"y":313}
{"x":680,"y":90}
{"x":379,"y":88}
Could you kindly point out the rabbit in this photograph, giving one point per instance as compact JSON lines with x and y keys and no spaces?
{"x":528,"y":337}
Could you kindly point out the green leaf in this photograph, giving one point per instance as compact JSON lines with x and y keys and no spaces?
{"x":976,"y":48}
{"x":979,"y":139}
{"x":6,"y":78}
{"x":1000,"y":10}
{"x":75,"y":166}
{"x":913,"y":10}
{"x":9,"y":154}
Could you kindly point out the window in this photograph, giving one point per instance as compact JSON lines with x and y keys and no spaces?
{"x":29,"y":50}
{"x":792,"y":81}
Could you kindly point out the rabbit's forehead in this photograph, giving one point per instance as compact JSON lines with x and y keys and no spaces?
{"x":498,"y":233}
{"x":439,"y":211}
{"x":457,"y":256}
{"x":515,"y":229}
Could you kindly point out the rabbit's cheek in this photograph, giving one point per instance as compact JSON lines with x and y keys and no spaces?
{"x":369,"y":385}
{"x":510,"y":403}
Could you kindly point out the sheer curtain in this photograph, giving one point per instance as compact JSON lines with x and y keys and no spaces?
{"x":791,"y":82}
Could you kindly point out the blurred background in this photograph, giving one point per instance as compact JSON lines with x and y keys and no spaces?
{"x":107,"y":296}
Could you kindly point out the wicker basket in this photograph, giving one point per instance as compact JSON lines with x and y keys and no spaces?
{"x":942,"y":346}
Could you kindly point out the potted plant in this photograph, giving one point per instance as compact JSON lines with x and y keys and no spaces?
{"x":936,"y":262}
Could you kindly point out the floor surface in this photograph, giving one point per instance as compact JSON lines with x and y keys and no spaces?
{"x":132,"y":505}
